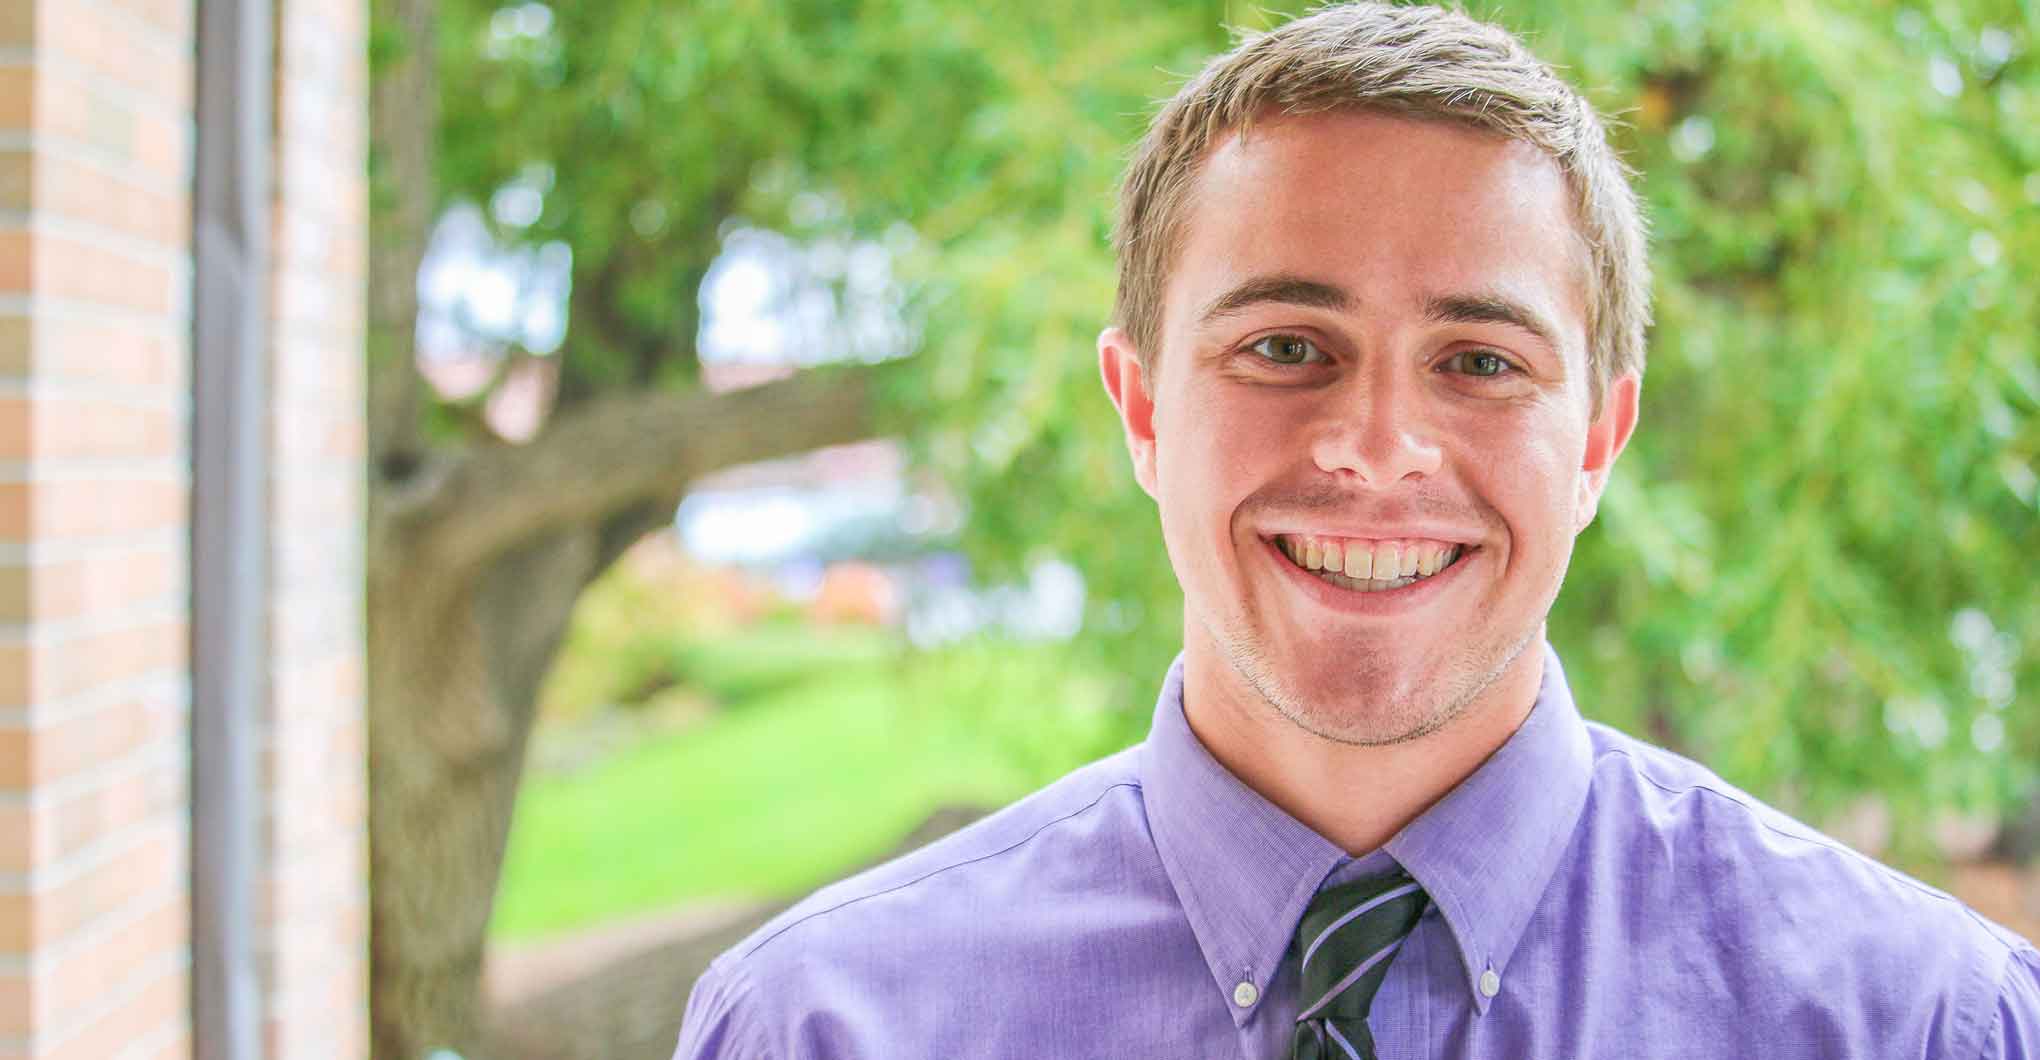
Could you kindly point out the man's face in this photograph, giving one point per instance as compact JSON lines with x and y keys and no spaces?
{"x":1373,"y":360}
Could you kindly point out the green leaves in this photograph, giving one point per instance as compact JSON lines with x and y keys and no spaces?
{"x":1831,"y":390}
{"x":1839,"y":446}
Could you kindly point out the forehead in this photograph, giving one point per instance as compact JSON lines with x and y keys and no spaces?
{"x":1392,"y":209}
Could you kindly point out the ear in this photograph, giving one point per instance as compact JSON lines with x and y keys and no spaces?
{"x":1606,"y":437}
{"x":1127,"y":385}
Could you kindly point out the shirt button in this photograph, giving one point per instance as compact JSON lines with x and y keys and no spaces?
{"x":1245,"y":994}
{"x":1490,"y":983}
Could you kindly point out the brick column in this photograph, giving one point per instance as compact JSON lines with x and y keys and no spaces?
{"x":316,"y":986}
{"x":96,"y":140}
{"x":95,"y":127}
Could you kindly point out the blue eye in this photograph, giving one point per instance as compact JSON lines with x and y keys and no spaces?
{"x":1287,"y":349}
{"x":1481,"y":364}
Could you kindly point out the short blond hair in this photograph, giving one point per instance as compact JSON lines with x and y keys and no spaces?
{"x":1417,"y":62}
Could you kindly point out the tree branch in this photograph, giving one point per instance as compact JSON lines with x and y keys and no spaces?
{"x":618,"y":451}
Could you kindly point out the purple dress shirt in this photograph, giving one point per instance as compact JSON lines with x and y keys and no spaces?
{"x":1592,"y":896}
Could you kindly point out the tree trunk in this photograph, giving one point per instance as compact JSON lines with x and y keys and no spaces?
{"x":2018,"y":838}
{"x":443,"y":748}
{"x":455,"y":670}
{"x":473,"y":572}
{"x":475,"y":558}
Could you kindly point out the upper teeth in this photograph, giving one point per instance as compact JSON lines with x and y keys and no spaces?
{"x":1363,"y":559}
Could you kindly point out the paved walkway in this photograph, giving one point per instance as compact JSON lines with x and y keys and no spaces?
{"x":519,"y":973}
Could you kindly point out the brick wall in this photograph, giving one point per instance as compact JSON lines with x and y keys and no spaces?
{"x":95,"y":100}
{"x":95,"y":202}
{"x":315,"y":740}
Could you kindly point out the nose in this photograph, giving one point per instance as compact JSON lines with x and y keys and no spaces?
{"x":1381,"y":436}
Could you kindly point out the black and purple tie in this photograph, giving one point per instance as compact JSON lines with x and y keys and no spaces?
{"x":1343,"y":947}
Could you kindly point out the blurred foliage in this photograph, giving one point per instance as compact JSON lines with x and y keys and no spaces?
{"x":657,"y":621}
{"x":848,"y":742}
{"x":1811,"y":568}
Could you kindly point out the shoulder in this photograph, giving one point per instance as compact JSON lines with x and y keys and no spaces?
{"x":1673,"y":816}
{"x":1790,"y":915}
{"x":1059,"y":833}
{"x":1660,"y":796}
{"x":878,"y":943}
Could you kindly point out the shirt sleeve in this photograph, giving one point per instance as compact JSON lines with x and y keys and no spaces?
{"x":718,"y":1024}
{"x":2015,"y":1032}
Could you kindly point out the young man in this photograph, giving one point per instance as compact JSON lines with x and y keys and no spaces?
{"x":1380,"y":336}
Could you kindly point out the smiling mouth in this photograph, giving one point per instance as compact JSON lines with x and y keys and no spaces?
{"x":1369,"y":566}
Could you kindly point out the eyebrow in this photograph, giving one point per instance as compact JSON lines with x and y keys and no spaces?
{"x":1283,"y":289}
{"x":1487,"y":307}
{"x":1490,"y":308}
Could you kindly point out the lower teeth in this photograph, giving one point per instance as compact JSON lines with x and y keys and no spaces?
{"x":1369,"y":585}
{"x":1373,"y":585}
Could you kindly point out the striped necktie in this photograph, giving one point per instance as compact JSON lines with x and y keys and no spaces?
{"x":1343,"y":947}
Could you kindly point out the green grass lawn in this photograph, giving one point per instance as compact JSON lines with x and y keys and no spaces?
{"x":830,"y":746}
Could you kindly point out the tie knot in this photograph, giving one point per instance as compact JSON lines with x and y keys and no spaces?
{"x":1346,"y":939}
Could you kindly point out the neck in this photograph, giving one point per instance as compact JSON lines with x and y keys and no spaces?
{"x":1356,"y":796}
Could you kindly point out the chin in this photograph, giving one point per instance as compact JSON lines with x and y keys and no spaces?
{"x":1369,"y":720}
{"x":1371,"y":701}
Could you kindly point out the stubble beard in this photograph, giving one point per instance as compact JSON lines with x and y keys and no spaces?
{"x":1357,"y":720}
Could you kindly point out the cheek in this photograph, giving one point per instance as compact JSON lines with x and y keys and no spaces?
{"x":1211,"y":457}
{"x":1534,"y":477}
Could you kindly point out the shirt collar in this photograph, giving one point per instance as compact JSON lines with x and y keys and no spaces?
{"x":1245,"y":870}
{"x":1486,"y":851}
